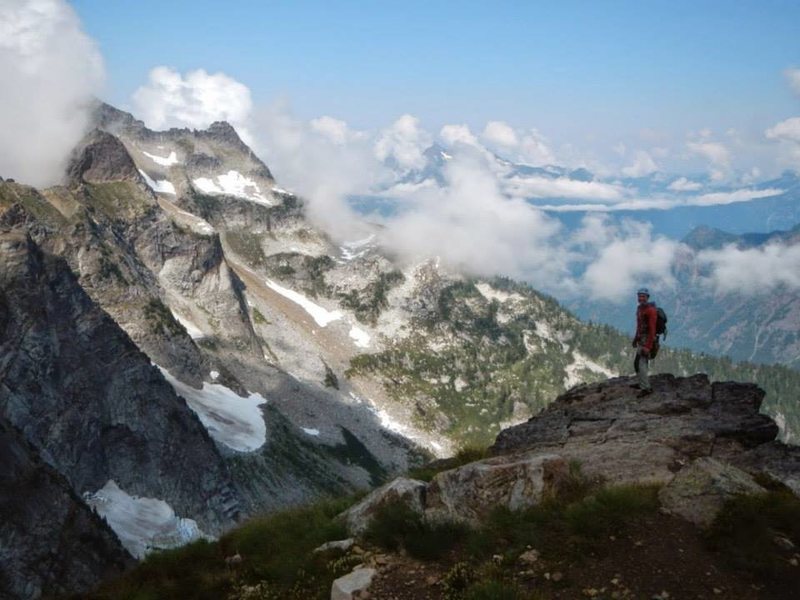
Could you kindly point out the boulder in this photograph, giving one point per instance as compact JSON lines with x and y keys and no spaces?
{"x":469,"y":493}
{"x":699,"y":490}
{"x":409,"y":491}
{"x":347,"y":586}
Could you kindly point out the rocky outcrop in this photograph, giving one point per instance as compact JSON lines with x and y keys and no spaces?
{"x":622,"y":438}
{"x":471,"y":492}
{"x":407,"y":491}
{"x":91,"y":403}
{"x":50,"y":542}
{"x":468,"y":493}
{"x":698,"y":491}
{"x":102,"y":158}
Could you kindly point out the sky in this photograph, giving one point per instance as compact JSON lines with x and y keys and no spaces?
{"x":576,"y":71}
{"x":330,"y":93}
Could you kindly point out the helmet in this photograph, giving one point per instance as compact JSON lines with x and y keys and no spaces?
{"x":644,"y":291}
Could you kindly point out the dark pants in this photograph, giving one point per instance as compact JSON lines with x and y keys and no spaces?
{"x":642,"y":365}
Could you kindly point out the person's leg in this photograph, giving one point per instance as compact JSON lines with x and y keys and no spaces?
{"x":643,"y":364}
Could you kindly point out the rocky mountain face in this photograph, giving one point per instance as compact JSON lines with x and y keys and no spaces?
{"x":186,"y":348}
{"x":50,"y":541}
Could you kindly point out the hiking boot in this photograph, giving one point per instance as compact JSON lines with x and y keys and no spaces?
{"x":644,"y":393}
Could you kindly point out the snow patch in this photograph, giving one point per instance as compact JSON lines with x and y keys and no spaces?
{"x":161,"y":187}
{"x":214,"y":375}
{"x":170,"y":160}
{"x":360,"y":337}
{"x":309,"y":431}
{"x":319,"y":314}
{"x":191,"y":327}
{"x":142,"y":524}
{"x":581,"y":362}
{"x":197,"y":224}
{"x":230,"y":419}
{"x":232,"y":183}
{"x":491,"y":293}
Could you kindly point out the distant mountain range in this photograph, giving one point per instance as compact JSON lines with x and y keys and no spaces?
{"x":686,"y":202}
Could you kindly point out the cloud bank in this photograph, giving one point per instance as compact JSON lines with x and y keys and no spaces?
{"x":481,"y":219}
{"x":50,"y":71}
{"x":195,"y":100}
{"x":753,"y":270}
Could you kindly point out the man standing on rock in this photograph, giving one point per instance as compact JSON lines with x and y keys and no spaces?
{"x":645,"y":339}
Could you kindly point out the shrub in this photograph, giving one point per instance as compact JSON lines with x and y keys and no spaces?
{"x":746,"y":527}
{"x":396,"y":525}
{"x":610,"y":510}
{"x":494,"y":590}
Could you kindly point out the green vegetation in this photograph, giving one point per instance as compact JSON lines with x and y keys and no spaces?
{"x":468,"y":368}
{"x":258,"y":318}
{"x":397,"y":526}
{"x":32,"y":201}
{"x":118,"y":200}
{"x":161,"y":320}
{"x":275,"y":556}
{"x":748,"y":528}
{"x":472,"y":363}
{"x":247,"y":245}
{"x":330,"y":378}
{"x":368,"y":302}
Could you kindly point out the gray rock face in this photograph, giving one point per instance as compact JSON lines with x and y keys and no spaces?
{"x":348,"y":586}
{"x":469,"y":493}
{"x":699,"y":490}
{"x":408,"y":491}
{"x":622,"y":438}
{"x":91,"y":403}
{"x":102,"y":158}
{"x":50,"y":542}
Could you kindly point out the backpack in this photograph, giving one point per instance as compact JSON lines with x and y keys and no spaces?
{"x":661,"y":322}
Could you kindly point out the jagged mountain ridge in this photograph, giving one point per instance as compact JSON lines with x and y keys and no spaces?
{"x":218,"y":277}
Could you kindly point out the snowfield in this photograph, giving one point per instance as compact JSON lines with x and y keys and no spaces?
{"x":142,"y":524}
{"x":320,"y":315}
{"x":160,"y":187}
{"x":170,"y":160}
{"x":232,"y":183}
{"x":230,"y":419}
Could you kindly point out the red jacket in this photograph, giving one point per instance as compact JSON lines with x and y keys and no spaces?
{"x":646,"y":325}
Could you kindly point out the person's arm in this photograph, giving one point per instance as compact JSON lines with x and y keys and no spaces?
{"x":651,"y":316}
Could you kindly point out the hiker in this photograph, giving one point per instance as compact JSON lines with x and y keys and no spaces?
{"x":645,"y":340}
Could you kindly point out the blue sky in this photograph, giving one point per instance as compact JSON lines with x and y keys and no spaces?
{"x":574,"y":70}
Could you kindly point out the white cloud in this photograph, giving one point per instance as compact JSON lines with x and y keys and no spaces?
{"x":684,"y":185}
{"x":534,"y":149}
{"x":195,"y":100}
{"x":793,"y":76}
{"x":562,"y":187}
{"x":643,"y":164}
{"x":500,"y":134}
{"x":405,"y":142}
{"x":458,"y":134}
{"x":50,"y":71}
{"x":788,"y":130}
{"x":322,"y":160}
{"x":631,"y":204}
{"x":335,"y":130}
{"x":753,"y":270}
{"x":715,"y":152}
{"x":626,"y":259}
{"x":471,"y":225}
